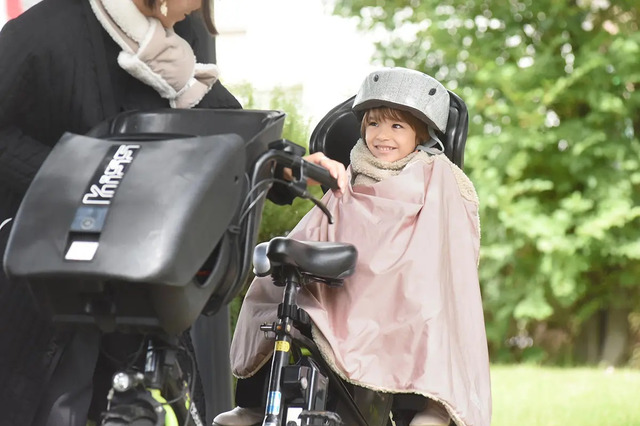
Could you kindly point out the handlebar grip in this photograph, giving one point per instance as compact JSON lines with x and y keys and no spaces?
{"x":320,"y":175}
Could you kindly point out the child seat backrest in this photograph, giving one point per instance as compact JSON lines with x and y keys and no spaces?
{"x":339,"y":130}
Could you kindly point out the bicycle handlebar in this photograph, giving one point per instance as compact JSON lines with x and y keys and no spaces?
{"x":284,"y":155}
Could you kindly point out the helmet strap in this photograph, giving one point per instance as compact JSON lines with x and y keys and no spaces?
{"x":434,"y":146}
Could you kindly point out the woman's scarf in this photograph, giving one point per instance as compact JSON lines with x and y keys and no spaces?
{"x":155,"y":55}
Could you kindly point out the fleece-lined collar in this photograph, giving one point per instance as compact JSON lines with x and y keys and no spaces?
{"x":155,"y":55}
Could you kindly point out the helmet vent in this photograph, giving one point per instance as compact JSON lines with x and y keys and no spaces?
{"x":432,"y":92}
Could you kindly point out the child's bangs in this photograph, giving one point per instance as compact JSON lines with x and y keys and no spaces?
{"x":386,"y":113}
{"x":393,"y":114}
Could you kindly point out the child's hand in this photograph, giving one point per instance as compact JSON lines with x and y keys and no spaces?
{"x":336,"y":169}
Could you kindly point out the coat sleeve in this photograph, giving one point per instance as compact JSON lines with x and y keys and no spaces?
{"x":20,"y":154}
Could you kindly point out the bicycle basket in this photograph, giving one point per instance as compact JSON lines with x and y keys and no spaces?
{"x":132,"y":226}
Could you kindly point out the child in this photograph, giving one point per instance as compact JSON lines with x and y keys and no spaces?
{"x":410,"y":319}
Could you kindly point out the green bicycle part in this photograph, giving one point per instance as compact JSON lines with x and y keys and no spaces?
{"x":303,"y":352}
{"x":170,"y":418}
{"x":187,"y":399}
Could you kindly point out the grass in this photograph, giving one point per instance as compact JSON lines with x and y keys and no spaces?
{"x":544,"y":396}
{"x":539,"y":396}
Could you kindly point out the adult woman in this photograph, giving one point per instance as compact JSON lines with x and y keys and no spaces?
{"x":67,"y":65}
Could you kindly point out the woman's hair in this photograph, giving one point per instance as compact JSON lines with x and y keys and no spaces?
{"x":207,"y":15}
{"x":380,"y":113}
{"x":205,"y":10}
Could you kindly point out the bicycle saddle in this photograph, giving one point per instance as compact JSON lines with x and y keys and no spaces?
{"x":326,"y":260}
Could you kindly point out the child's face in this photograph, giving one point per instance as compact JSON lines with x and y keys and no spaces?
{"x":389,"y":139}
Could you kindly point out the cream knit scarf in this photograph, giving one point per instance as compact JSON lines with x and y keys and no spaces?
{"x":367,"y":169}
{"x":155,"y":55}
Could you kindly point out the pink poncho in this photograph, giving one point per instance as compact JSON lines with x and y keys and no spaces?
{"x":410,"y":319}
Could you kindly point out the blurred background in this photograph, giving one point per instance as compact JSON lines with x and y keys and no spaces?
{"x":553,"y":92}
{"x":553,"y":147}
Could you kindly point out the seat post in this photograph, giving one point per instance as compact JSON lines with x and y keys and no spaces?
{"x":290,"y":277}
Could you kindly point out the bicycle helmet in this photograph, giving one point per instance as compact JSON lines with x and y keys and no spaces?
{"x":405,"y":89}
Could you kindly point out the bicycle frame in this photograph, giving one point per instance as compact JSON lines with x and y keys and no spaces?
{"x":159,"y":394}
{"x":305,"y":382}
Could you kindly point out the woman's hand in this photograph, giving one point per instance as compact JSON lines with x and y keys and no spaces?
{"x":336,"y":170}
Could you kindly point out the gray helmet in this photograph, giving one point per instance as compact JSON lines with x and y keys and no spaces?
{"x":409,"y":90}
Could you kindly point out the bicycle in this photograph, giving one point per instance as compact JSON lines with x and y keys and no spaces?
{"x":189,"y":253}
{"x":200,"y":264}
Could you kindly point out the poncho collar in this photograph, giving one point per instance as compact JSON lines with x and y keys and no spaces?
{"x":367,"y":169}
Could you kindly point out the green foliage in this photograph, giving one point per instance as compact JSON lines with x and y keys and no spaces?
{"x":279,"y":220}
{"x":553,"y":92}
{"x":276,"y":220}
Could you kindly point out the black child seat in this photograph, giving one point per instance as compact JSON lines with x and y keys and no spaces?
{"x":339,"y":130}
{"x":135,"y":225}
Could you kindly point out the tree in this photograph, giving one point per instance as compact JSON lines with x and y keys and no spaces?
{"x":278,"y":220}
{"x":552,"y":88}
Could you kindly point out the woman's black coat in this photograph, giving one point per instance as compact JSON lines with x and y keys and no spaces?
{"x":58,"y":73}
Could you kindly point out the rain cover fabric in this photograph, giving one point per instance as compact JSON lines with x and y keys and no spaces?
{"x":410,"y":319}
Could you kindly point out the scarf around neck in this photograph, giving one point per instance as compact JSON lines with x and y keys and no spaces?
{"x":155,"y":55}
{"x":367,"y":169}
